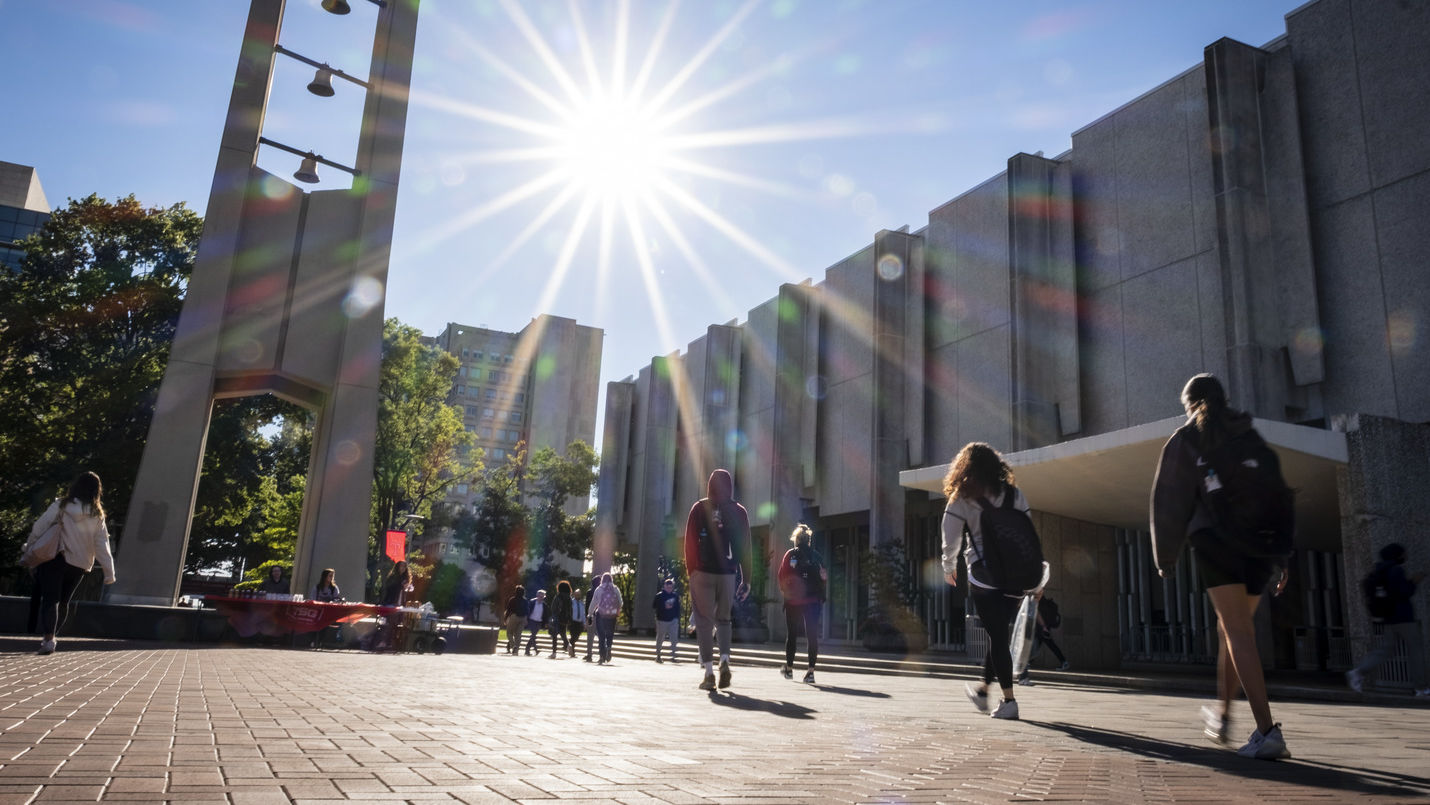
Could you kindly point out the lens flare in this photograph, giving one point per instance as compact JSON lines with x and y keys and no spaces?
{"x":890,"y":267}
{"x":365,"y":295}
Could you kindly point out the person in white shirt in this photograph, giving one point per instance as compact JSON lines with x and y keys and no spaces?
{"x":83,"y":538}
{"x":537,"y":616}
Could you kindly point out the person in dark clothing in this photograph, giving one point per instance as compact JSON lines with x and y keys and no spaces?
{"x":667,"y":618}
{"x":394,"y":594}
{"x":578,"y":621}
{"x":538,"y":617}
{"x":802,"y":576}
{"x":979,"y":472}
{"x":717,"y":539}
{"x":514,"y":618}
{"x":1400,"y":624}
{"x":1235,"y":582}
{"x":560,"y":617}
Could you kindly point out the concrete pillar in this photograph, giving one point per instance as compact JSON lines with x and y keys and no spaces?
{"x":273,"y":270}
{"x":653,"y":483}
{"x":893,"y":253}
{"x":1263,"y":235}
{"x":611,"y":480}
{"x":1043,"y":302}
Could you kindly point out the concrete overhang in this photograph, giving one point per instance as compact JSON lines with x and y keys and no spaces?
{"x":1107,"y":478}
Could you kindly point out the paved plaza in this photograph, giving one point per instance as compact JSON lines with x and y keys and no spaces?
{"x":138,"y":722}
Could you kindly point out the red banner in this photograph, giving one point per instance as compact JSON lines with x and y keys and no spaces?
{"x":396,"y":545}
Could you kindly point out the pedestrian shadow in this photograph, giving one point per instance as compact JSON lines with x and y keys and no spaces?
{"x":1313,"y":774}
{"x":873,"y":694}
{"x":742,"y":702}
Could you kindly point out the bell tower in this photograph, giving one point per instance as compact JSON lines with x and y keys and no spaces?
{"x":286,"y":298}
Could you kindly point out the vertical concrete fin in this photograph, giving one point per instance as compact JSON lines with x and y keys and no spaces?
{"x":892,"y":253}
{"x":1042,"y":302}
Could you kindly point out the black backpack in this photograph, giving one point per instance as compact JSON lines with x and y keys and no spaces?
{"x":1048,"y":608}
{"x":1248,"y":498}
{"x":715,"y":536}
{"x":1379,"y":600}
{"x":1012,"y":553}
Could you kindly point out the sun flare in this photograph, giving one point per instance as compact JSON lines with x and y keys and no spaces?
{"x":613,"y":149}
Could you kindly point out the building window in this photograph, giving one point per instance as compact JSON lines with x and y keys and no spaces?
{"x":461,"y":489}
{"x":464,"y":352}
{"x":461,"y":371}
{"x":497,"y":452}
{"x":515,"y":416}
{"x":488,"y":413}
{"x":461,"y":389}
{"x":471,"y":410}
{"x":474,"y":373}
{"x":486,"y":433}
{"x":491,"y":394}
{"x":476,"y":354}
{"x":520,"y":397}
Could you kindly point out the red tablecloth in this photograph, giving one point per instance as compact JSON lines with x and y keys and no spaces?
{"x":250,"y":616}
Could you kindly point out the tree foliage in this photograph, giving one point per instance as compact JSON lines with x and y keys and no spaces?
{"x":422,"y":450}
{"x":520,"y":515}
{"x":85,"y":328}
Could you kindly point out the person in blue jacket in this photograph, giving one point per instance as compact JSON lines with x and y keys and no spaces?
{"x":1400,"y":623}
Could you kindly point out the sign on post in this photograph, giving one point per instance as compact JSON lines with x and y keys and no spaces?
{"x":396,"y":545}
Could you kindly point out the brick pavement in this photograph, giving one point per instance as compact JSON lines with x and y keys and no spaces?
{"x":149,"y":723}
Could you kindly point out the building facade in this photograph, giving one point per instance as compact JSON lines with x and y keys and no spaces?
{"x":1260,"y":216}
{"x":537,"y":388}
{"x":23,"y":210}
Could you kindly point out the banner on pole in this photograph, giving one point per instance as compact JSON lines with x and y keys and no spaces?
{"x":396,"y":545}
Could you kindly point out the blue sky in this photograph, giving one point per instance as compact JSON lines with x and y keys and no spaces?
{"x":787,"y":132}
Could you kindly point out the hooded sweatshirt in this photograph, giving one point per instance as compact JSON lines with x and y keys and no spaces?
{"x":83,"y":537}
{"x":1177,"y":506}
{"x":717,"y":532}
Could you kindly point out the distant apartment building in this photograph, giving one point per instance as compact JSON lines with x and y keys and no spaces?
{"x":1260,"y":216}
{"x":23,"y":209}
{"x":536,"y":387}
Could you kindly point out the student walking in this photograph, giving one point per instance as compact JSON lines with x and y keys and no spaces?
{"x":1047,"y":620}
{"x":1391,"y":606}
{"x":667,"y":618}
{"x":578,"y":622}
{"x":606,"y":607}
{"x":1235,"y":581}
{"x":560,"y":617}
{"x":70,"y":536}
{"x":590,"y":616}
{"x":514,"y":618}
{"x":802,"y":577}
{"x":717,"y":537}
{"x":979,"y":478}
{"x":538,"y":615}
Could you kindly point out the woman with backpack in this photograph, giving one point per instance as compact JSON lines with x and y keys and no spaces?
{"x":82,"y":537}
{"x":978,"y":479}
{"x":1235,"y":581}
{"x":801,"y":577}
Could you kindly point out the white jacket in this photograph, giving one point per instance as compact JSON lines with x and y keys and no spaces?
{"x":83,"y":539}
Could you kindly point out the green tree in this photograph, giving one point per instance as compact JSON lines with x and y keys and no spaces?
{"x":250,"y":494}
{"x":85,"y":328}
{"x":422,"y":450}
{"x":494,"y":529}
{"x":551,"y":481}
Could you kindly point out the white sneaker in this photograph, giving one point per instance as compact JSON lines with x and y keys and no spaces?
{"x":1215,"y":725}
{"x":1355,"y":679}
{"x":1007,"y":709}
{"x":1270,"y":746}
{"x":979,"y":698}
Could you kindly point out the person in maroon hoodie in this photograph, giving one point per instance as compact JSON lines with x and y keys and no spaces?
{"x":802,"y":577}
{"x":717,"y":539}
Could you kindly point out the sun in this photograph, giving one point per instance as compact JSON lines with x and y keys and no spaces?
{"x":613,"y":148}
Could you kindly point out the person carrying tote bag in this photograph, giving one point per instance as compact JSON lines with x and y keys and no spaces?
{"x":81,"y":539}
{"x":45,"y":537}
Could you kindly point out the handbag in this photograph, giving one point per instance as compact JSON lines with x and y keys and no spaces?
{"x":46,"y":546}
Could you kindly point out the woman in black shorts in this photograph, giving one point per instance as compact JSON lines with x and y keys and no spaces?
{"x":1234,"y":582}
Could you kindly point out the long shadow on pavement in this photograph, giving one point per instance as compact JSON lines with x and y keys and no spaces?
{"x":873,"y":694}
{"x":1297,"y":772}
{"x":742,"y":702}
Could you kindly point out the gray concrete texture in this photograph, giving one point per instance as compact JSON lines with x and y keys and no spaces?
{"x":123,"y":723}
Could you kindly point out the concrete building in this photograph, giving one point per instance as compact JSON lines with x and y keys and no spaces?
{"x":538,"y":387}
{"x":1260,"y":216}
{"x":23,"y":209}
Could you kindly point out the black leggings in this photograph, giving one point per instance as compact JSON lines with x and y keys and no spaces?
{"x":56,"y":580}
{"x":809,"y":615}
{"x":996,"y":611}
